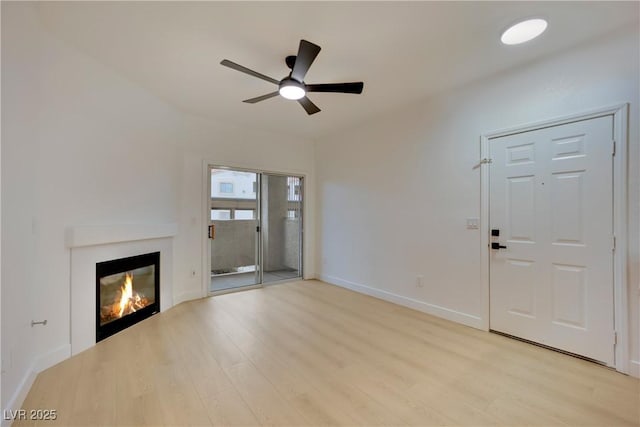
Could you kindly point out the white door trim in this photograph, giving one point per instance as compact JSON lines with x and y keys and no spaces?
{"x":620,"y":114}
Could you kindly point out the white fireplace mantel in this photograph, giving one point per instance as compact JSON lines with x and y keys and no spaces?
{"x":90,"y":245}
{"x":90,"y":235}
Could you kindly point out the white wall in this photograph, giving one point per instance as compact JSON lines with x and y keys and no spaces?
{"x":81,"y":145}
{"x":1,"y":353}
{"x":394,"y":193}
{"x":18,"y":204}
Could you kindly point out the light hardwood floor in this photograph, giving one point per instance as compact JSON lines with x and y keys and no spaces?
{"x":308,"y":353}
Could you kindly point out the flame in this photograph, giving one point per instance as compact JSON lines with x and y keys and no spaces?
{"x":126,"y":293}
{"x":129,"y":301}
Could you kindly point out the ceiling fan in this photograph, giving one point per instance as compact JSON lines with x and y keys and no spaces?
{"x":293,"y":86}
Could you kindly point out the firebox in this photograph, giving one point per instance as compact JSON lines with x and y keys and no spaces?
{"x":127,"y":292}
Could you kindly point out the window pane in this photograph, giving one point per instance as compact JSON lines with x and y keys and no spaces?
{"x":217,"y":214}
{"x":244,"y":214}
{"x":226,"y":187}
{"x":293,"y":189}
{"x":233,"y":184}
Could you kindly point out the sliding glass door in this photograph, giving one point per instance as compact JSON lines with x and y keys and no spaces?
{"x":255,"y":228}
{"x":281,"y":213}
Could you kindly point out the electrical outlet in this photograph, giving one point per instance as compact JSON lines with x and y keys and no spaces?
{"x":419,"y":281}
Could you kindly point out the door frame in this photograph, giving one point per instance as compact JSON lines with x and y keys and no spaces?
{"x":205,"y":198}
{"x":620,"y":114}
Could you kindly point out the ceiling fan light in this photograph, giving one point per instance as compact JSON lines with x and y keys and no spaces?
{"x":292,"y":92}
{"x":291,"y":89}
{"x":524,"y":31}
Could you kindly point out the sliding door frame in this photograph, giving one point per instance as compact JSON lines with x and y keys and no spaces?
{"x":206,"y":215}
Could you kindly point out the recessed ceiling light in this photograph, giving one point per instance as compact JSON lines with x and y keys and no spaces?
{"x":524,"y":31}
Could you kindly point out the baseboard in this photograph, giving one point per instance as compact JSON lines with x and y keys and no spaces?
{"x":425,"y":307}
{"x":52,"y":357}
{"x":634,"y":368}
{"x":187,"y":296}
{"x":38,"y":365}
{"x":20,"y":394}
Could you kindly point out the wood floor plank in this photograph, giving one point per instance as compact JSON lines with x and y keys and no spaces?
{"x":311,"y":354}
{"x":582,"y":395}
{"x":324,"y":377}
{"x":320,"y":408}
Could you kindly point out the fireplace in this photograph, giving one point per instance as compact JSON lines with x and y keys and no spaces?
{"x":127,"y":292}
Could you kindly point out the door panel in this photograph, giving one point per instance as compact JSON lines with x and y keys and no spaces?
{"x":281,"y":227}
{"x":568,"y":208}
{"x":522,"y":275}
{"x":569,"y":295}
{"x":521,"y":207}
{"x":235,"y":241}
{"x":551,"y":198}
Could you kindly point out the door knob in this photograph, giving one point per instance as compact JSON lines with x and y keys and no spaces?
{"x":496,"y":245}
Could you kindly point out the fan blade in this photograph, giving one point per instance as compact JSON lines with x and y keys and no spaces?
{"x":309,"y":106}
{"x":307,"y":52}
{"x":245,"y":70}
{"x":261,"y":98}
{"x":355,"y":87}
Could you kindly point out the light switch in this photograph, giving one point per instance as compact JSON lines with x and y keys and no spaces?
{"x":473,"y":223}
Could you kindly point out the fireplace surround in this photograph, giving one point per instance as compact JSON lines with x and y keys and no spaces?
{"x":127,"y":292}
{"x":93,"y":244}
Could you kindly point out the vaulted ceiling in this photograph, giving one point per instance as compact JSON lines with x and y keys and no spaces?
{"x":403,"y":51}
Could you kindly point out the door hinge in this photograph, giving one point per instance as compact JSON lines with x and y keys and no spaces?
{"x":615,"y":337}
{"x":613,"y":249}
{"x":485,"y":161}
{"x":613,"y":152}
{"x":257,"y":228}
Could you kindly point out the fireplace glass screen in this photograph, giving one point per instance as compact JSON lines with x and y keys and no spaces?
{"x":124,"y":293}
{"x":127,"y":292}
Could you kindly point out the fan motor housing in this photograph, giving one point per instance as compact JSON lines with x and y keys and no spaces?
{"x":288,"y":81}
{"x":290,"y":61}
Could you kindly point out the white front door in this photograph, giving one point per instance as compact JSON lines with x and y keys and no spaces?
{"x":551,"y":202}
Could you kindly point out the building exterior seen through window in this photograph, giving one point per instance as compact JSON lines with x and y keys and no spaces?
{"x":226,"y":187}
{"x":233,"y":184}
{"x":235,"y":193}
{"x":230,"y":185}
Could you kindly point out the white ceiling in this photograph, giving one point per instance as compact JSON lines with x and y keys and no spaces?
{"x":403,"y":51}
